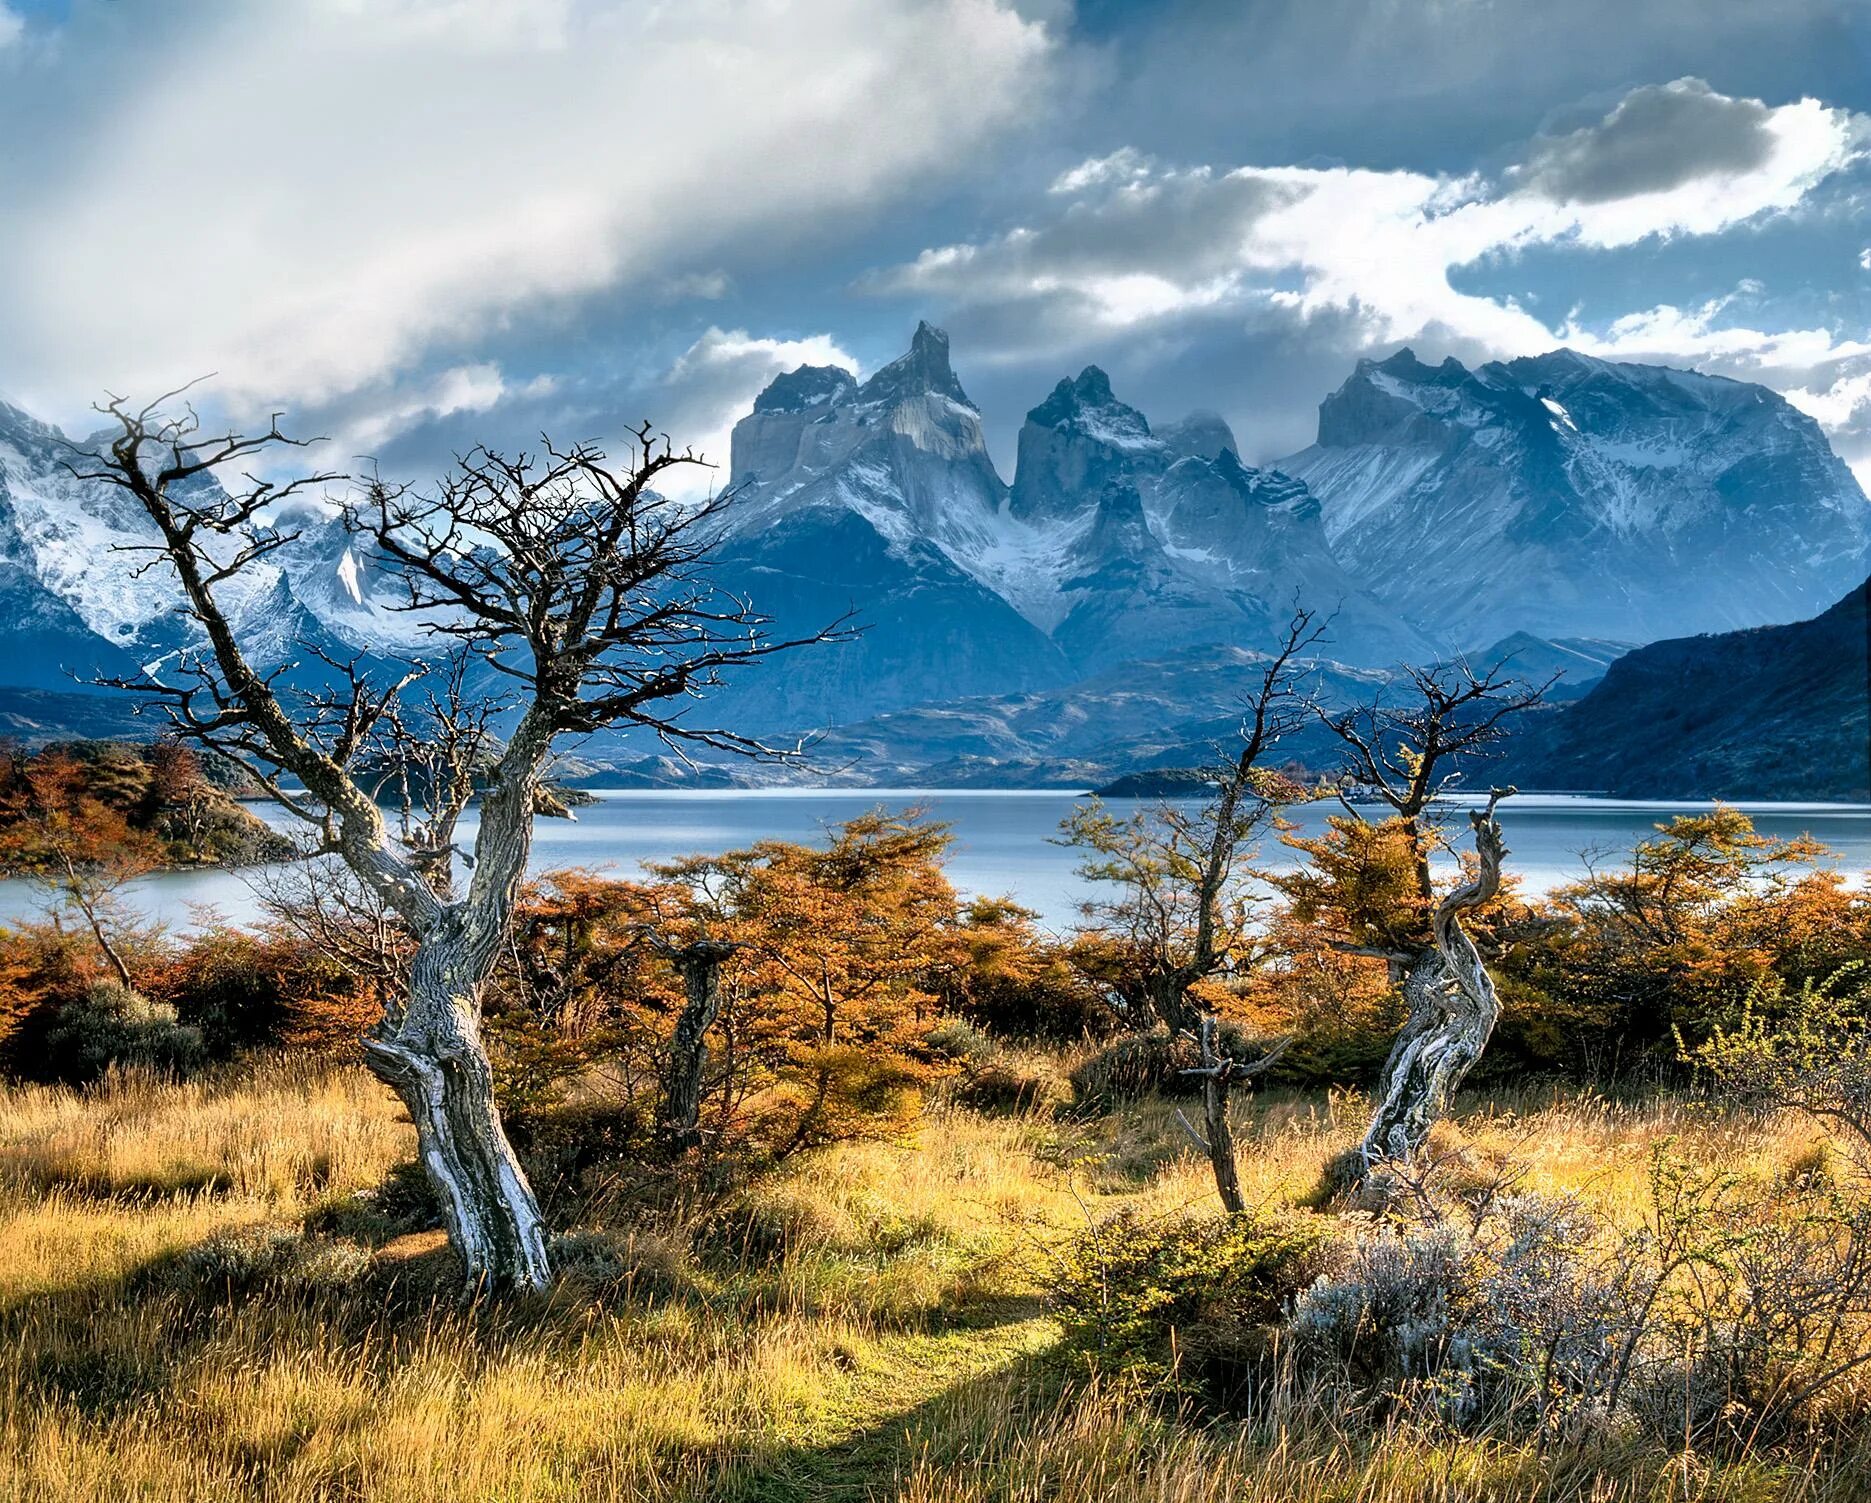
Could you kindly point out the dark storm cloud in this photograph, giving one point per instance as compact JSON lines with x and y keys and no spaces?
{"x":1658,"y":138}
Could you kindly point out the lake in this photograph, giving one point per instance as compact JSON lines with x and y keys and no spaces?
{"x":1002,"y":840}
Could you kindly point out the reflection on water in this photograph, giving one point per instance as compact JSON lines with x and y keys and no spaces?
{"x":1003,"y":840}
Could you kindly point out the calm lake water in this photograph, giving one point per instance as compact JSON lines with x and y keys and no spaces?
{"x":1002,"y":840}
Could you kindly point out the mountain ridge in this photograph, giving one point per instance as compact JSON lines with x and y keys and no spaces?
{"x":1560,"y":506}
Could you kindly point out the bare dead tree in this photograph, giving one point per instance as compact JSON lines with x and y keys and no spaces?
{"x":1403,"y":755}
{"x":574,"y":581}
{"x":1181,"y":904}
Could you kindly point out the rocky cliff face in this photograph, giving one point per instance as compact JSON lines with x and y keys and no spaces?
{"x":1144,"y":541}
{"x":857,"y":501}
{"x":1568,"y":496}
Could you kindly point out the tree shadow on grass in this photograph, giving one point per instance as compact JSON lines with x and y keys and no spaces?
{"x":952,"y":1429}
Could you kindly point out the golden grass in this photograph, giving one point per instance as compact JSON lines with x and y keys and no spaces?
{"x":870,"y":1324}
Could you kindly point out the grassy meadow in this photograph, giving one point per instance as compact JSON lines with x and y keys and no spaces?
{"x":204,"y":1298}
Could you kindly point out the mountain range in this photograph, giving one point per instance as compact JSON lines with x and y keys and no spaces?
{"x":1567,"y":496}
{"x":1554,"y":511}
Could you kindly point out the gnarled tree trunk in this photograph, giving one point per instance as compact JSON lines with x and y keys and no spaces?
{"x":1168,"y":992}
{"x":1453,"y":1010}
{"x":1215,"y":1091}
{"x":433,"y":1058}
{"x":700,"y":966}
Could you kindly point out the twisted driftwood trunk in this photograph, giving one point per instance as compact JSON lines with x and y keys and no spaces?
{"x":1453,"y":1010}
{"x":431,"y":1054}
{"x":700,"y":966}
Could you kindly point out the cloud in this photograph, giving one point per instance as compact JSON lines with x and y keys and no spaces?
{"x":708,"y":286}
{"x":1843,"y":408}
{"x":1846,"y":402}
{"x":12,"y":26}
{"x":1703,"y":334}
{"x":462,"y":389}
{"x":1127,"y":240}
{"x":313,"y":196}
{"x":1125,"y":247}
{"x":1689,"y":162}
{"x":1659,"y":138}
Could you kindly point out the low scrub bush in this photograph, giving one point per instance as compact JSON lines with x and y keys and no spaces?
{"x":1005,"y":1084}
{"x":272,"y":1259}
{"x":110,"y":1025}
{"x":1192,"y":1302}
{"x":1152,"y":1064}
{"x":952,"y":1039}
{"x":1721,"y":1319}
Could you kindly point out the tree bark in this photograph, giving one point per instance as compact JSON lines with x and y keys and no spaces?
{"x":98,"y":932}
{"x":433,"y":1058}
{"x":1169,"y":997}
{"x":700,"y":966}
{"x":1453,"y":1010}
{"x":1218,"y":1078}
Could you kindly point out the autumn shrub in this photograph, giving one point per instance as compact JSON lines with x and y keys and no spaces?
{"x":835,"y":972}
{"x":1612,"y":970}
{"x":842,"y":958}
{"x":1187,"y":1302}
{"x":267,"y":989}
{"x":41,"y":966}
{"x":1018,"y":983}
{"x":1597,"y":980}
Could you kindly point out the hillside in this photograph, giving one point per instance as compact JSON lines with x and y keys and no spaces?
{"x":1778,"y":712}
{"x":104,"y":801}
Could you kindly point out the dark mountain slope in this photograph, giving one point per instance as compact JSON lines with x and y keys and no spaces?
{"x":1778,"y":712}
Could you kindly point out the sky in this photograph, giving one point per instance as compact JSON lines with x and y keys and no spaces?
{"x":414,"y":226}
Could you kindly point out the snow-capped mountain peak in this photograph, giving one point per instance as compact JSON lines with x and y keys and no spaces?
{"x":1591,"y":497}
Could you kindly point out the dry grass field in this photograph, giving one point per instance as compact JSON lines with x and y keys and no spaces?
{"x":203,"y":1297}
